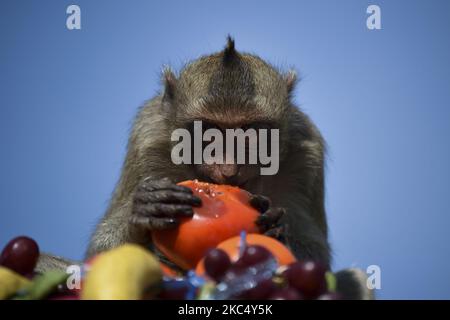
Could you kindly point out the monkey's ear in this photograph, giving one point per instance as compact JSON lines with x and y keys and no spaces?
{"x":170,"y":83}
{"x":229,"y":53}
{"x":291,"y":80}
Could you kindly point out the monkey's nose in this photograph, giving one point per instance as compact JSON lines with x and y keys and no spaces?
{"x":229,"y":170}
{"x":224,"y":173}
{"x":231,"y":174}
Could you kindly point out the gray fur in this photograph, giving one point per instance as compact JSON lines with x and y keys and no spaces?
{"x":50,"y":262}
{"x":352,"y":285}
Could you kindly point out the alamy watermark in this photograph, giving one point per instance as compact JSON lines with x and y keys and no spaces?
{"x":73,"y":21}
{"x":373,"y":21}
{"x":251,"y":147}
{"x":373,"y":277}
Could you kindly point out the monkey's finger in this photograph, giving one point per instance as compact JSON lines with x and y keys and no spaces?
{"x":153,"y":223}
{"x":167,"y":196}
{"x":162,"y":184}
{"x":259,"y":202}
{"x":270,"y":218}
{"x":163,"y":210}
{"x":276,"y":233}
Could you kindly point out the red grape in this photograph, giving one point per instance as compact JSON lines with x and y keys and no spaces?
{"x":255,"y":254}
{"x":60,"y":296}
{"x":235,"y":271}
{"x":64,"y":293}
{"x":330,"y":296}
{"x":286,"y":293}
{"x":20,"y":255}
{"x":217,"y":262}
{"x":174,"y":289}
{"x":173,"y":293}
{"x":308,"y":277}
{"x":261,"y":291}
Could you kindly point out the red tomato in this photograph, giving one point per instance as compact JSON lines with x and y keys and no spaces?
{"x":167,"y":271}
{"x":224,"y":213}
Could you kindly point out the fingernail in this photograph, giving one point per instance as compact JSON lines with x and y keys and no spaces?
{"x":260,"y":222}
{"x":185,"y":189}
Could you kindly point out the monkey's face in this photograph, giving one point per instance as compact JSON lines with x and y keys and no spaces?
{"x":230,"y":91}
{"x":230,"y":153}
{"x":232,"y":174}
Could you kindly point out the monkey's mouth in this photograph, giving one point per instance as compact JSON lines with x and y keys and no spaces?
{"x":231,"y":181}
{"x":240,"y":184}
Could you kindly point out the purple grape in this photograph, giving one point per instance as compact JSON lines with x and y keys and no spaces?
{"x":255,"y":254}
{"x":216,"y":263}
{"x":59,"y":296}
{"x":261,"y":291}
{"x":235,"y":271}
{"x":286,"y":293}
{"x":173,"y":294}
{"x":63,"y":293}
{"x":308,"y":277}
{"x":20,"y":255}
{"x":174,"y":289}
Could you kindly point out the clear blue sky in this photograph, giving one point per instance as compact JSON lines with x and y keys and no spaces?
{"x":381,"y":99}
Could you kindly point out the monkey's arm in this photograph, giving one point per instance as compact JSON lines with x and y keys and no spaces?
{"x":352,"y":285}
{"x":114,"y":230}
{"x":155,"y":204}
{"x":307,"y":241}
{"x":50,"y":262}
{"x":304,"y":236}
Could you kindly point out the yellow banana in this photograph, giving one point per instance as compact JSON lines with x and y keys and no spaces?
{"x":123,"y":273}
{"x":10,"y":282}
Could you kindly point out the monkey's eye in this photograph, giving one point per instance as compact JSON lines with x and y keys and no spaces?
{"x":257,"y":125}
{"x":205,"y":125}
{"x":209,"y":125}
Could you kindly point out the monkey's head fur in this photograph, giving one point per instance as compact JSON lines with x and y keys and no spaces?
{"x":225,"y":90}
{"x":230,"y":87}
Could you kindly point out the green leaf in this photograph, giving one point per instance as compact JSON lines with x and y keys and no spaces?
{"x":331,"y":281}
{"x":206,"y":291}
{"x":43,"y":285}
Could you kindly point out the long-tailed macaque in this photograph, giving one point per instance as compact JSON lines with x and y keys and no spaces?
{"x":224,"y":90}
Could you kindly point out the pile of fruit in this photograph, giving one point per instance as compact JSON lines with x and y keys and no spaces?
{"x":255,"y":275}
{"x":220,"y":249}
{"x":18,"y":279}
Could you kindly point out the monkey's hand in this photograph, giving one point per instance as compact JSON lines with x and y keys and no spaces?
{"x":269,"y":220}
{"x":158,"y":204}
